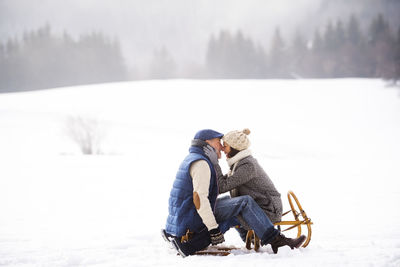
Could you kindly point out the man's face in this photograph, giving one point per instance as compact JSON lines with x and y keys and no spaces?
{"x":216,"y":144}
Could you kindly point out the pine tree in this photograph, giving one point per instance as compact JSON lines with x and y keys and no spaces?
{"x":329,"y":38}
{"x":340,"y":36}
{"x":298,"y":54}
{"x":328,"y":59}
{"x":355,"y":51}
{"x":277,"y":57}
{"x":234,"y":56}
{"x":219,"y":51}
{"x":392,"y":70}
{"x":381,"y":46}
{"x":354,"y":35}
{"x":41,"y":59}
{"x":247,"y":58}
{"x":378,"y":30}
{"x":340,"y":60}
{"x":315,"y":56}
{"x":396,"y":74}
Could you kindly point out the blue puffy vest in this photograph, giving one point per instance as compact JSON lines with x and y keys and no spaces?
{"x":183,"y":215}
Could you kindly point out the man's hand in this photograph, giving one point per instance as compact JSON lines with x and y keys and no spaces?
{"x":211,"y":154}
{"x":216,"y":236}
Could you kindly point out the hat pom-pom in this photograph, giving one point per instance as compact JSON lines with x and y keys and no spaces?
{"x":246,"y":131}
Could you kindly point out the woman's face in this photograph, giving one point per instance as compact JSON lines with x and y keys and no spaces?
{"x":226,"y":149}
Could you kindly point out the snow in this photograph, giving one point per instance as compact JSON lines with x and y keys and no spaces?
{"x":335,"y":143}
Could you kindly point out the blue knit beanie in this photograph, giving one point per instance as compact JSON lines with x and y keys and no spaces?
{"x":207,"y":134}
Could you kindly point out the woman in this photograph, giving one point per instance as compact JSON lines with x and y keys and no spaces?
{"x":247,"y":177}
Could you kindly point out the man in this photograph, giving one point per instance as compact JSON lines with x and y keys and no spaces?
{"x":193,"y":198}
{"x":196,"y":218}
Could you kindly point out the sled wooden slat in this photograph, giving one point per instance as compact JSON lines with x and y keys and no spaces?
{"x":216,"y":251}
{"x":289,"y":223}
{"x":213,"y":253}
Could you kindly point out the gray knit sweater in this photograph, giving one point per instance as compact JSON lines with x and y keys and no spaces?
{"x":249,"y":178}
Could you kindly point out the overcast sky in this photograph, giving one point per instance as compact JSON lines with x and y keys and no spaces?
{"x":182,"y":26}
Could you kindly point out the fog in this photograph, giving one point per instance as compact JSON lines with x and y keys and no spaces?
{"x":182,"y":26}
{"x":172,"y":38}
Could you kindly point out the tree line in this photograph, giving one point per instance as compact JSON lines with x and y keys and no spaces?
{"x":341,"y":50}
{"x":41,"y":59}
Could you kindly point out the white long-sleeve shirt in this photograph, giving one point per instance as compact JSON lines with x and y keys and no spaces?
{"x":201,"y":175}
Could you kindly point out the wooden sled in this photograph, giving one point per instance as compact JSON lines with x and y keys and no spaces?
{"x":216,"y":251}
{"x":300,"y":219}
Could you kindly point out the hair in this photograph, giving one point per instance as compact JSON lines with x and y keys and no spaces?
{"x":233,"y":152}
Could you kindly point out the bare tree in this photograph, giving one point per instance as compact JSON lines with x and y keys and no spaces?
{"x":87,"y":133}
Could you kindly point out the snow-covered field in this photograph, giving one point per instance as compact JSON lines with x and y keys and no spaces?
{"x":335,"y":143}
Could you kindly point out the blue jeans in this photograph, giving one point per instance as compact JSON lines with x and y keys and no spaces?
{"x":226,"y":210}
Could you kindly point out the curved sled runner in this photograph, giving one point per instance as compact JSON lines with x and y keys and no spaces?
{"x":300,"y":219}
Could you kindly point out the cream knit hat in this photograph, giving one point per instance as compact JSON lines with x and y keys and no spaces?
{"x":237,"y":139}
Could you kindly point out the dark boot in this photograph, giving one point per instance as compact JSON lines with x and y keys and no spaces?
{"x":197,"y":242}
{"x":167,"y":237}
{"x":182,"y":248}
{"x":280,"y":240}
